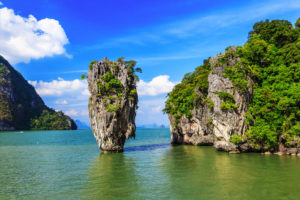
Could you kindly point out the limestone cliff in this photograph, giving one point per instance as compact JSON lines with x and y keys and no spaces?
{"x":210,"y":123}
{"x":113,"y":102}
{"x":245,"y":99}
{"x":21,"y":108}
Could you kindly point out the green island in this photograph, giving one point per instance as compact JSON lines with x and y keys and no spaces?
{"x":267,"y":69}
{"x":21,"y":108}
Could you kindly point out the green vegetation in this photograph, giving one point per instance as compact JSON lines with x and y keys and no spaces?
{"x":91,"y":64}
{"x":187,"y":95}
{"x":83,"y":76}
{"x":50,"y":120}
{"x":235,"y":139}
{"x":268,"y":67}
{"x":22,"y":108}
{"x":273,"y":54}
{"x":210,"y":103}
{"x":209,"y":122}
{"x":110,"y":87}
{"x":228,"y":101}
{"x":113,"y":107}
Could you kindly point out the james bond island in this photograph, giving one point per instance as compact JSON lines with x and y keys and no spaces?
{"x":113,"y":102}
{"x":246,"y":99}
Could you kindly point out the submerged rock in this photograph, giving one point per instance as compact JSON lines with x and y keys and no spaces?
{"x":113,"y":102}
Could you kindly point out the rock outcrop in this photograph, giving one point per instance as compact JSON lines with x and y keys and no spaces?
{"x":246,"y":99}
{"x":21,"y":108}
{"x":210,"y":123}
{"x":113,"y":102}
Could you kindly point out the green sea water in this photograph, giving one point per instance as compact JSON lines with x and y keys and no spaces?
{"x":68,"y":165}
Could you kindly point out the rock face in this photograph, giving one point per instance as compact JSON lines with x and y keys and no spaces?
{"x":21,"y":108}
{"x":246,"y":99}
{"x":113,"y":103}
{"x":212,"y":125}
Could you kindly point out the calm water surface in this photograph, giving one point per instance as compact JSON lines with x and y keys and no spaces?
{"x":68,"y":165}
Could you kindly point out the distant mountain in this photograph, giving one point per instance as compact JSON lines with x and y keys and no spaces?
{"x":81,"y":125}
{"x":152,"y":126}
{"x":21,"y":108}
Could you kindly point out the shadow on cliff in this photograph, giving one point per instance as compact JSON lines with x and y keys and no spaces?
{"x":147,"y":147}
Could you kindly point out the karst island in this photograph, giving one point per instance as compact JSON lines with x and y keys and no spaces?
{"x":113,"y":102}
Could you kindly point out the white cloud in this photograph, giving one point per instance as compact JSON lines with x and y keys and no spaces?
{"x":157,"y":108}
{"x":150,"y":111}
{"x":71,"y":112}
{"x":23,"y":39}
{"x":158,"y":85}
{"x":61,"y":87}
{"x":61,"y":102}
{"x":195,"y":25}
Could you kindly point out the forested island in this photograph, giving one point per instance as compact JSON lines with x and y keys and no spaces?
{"x":246,"y":99}
{"x":21,"y":108}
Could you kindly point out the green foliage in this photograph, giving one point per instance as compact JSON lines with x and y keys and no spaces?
{"x":49,"y":120}
{"x":83,"y":76}
{"x":277,"y":32}
{"x":210,"y":103}
{"x":235,"y":139}
{"x":110,"y":87}
{"x":113,"y":107}
{"x":271,"y":59}
{"x":132,"y":94}
{"x":267,"y":71}
{"x":209,"y":122}
{"x":225,"y":96}
{"x":228,"y":101}
{"x":91,"y":64}
{"x":121,"y":59}
{"x":138,"y":69}
{"x":20,"y":104}
{"x":297,"y":24}
{"x":187,"y":94}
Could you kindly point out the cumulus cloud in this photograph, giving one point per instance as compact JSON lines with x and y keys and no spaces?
{"x":61,"y":87}
{"x":71,"y":112}
{"x":158,"y":85}
{"x":157,"y":109}
{"x":61,"y":102}
{"x":23,"y":39}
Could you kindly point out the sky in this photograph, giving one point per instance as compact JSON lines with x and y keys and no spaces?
{"x":51,"y":42}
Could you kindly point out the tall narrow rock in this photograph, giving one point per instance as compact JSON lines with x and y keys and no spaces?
{"x":113,"y":102}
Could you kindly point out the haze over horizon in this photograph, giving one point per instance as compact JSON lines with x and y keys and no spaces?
{"x":51,"y":44}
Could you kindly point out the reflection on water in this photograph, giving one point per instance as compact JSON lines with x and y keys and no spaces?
{"x":111,"y":176}
{"x":203,"y":173}
{"x":147,"y":147}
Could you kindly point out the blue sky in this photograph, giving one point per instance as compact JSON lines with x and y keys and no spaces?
{"x":52,"y":42}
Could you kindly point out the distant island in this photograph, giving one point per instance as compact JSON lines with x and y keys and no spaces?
{"x":154,"y":125}
{"x":246,"y":99}
{"x":81,"y":125}
{"x":21,"y":108}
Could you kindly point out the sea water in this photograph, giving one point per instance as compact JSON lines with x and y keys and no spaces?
{"x":68,"y":165}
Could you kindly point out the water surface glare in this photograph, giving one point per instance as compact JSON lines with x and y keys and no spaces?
{"x":68,"y":165}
